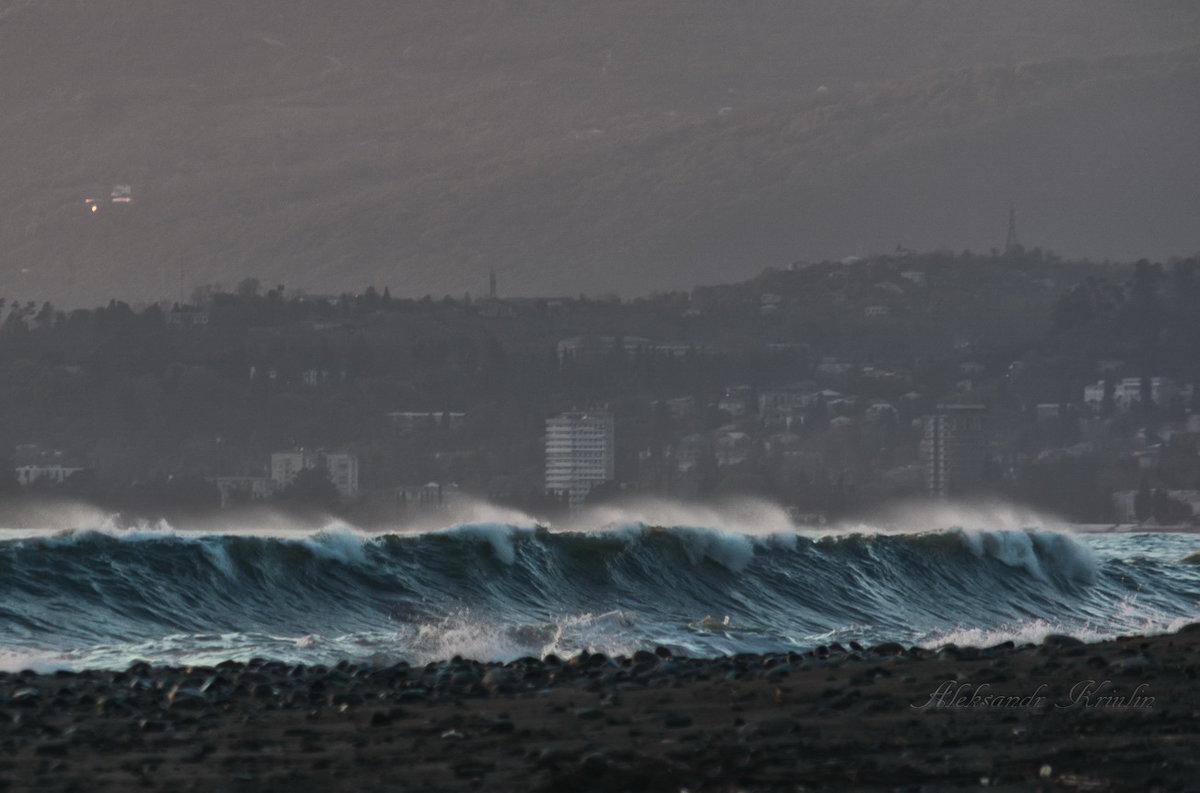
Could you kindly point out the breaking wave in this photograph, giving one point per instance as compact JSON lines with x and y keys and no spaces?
{"x":495,"y":590}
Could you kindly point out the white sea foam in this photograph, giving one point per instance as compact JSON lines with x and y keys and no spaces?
{"x":339,"y":543}
{"x":13,"y":660}
{"x":922,"y":516}
{"x":1131,"y":616}
{"x":755,"y":517}
{"x":485,"y":638}
{"x":498,"y":535}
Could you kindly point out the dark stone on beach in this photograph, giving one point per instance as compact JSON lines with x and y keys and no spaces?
{"x":779,"y":673}
{"x":380,"y":719}
{"x":347,"y":698}
{"x":413,"y":695}
{"x":888,"y":648}
{"x":594,"y":763}
{"x":662,"y":652}
{"x":958,"y":653}
{"x":644,"y":657}
{"x":501,"y":726}
{"x":1061,"y":640}
{"x":1131,"y":666}
{"x":498,"y":680}
{"x":56,"y":749}
{"x":187,"y":699}
{"x":265,"y":691}
{"x":1191,"y":627}
{"x":118,"y":705}
{"x":767,"y":728}
{"x":26,"y":697}
{"x":463,"y":679}
{"x":198,"y":754}
{"x":553,"y":755}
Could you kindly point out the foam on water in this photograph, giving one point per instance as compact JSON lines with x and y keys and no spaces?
{"x":13,"y":660}
{"x":753,"y":517}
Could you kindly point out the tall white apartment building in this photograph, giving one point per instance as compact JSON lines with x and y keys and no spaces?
{"x":954,"y":449}
{"x":580,"y":453}
{"x":342,"y":468}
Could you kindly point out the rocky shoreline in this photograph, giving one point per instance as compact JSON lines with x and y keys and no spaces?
{"x":1062,"y":715}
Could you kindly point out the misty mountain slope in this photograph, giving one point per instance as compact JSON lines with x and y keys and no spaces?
{"x":577,"y":146}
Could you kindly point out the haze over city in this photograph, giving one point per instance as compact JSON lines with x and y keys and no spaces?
{"x":599,"y":395}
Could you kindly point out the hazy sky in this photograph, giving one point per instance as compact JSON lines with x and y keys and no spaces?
{"x":579,"y":146}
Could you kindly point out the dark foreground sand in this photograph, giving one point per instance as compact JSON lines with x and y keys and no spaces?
{"x":885,"y":718}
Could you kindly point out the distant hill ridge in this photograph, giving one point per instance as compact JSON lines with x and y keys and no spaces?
{"x":579,"y":146}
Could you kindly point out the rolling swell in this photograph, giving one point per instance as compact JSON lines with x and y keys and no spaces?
{"x":496,"y":591}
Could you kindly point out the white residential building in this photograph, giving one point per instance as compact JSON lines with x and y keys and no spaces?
{"x":954,"y":449}
{"x":342,"y":468}
{"x":580,"y":453}
{"x":1128,"y":391}
{"x":56,"y":473}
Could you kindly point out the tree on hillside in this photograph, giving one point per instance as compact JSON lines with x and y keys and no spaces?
{"x":247,"y":288}
{"x":311,"y":489}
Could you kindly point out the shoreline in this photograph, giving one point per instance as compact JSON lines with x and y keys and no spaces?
{"x":1114,"y":715}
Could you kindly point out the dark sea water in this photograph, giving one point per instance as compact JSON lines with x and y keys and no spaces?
{"x":500,"y":589}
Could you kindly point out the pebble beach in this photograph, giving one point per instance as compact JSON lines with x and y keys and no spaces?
{"x":1060,"y":715}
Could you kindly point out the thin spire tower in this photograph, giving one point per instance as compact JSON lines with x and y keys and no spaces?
{"x":1011,"y":243}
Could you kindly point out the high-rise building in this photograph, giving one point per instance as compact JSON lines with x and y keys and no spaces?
{"x":580,"y":453}
{"x":954,"y":449}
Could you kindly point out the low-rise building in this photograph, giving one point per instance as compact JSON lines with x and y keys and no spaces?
{"x":408,"y":421}
{"x":242,"y":488}
{"x":55,"y":473}
{"x":186,"y":317}
{"x":32,"y":463}
{"x":430,"y":496}
{"x":736,"y":400}
{"x":342,"y":468}
{"x":1127,"y":392}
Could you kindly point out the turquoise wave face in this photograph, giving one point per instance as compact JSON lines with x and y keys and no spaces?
{"x":495,"y":592}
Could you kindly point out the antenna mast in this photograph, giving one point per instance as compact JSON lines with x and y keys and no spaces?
{"x":1011,"y":244}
